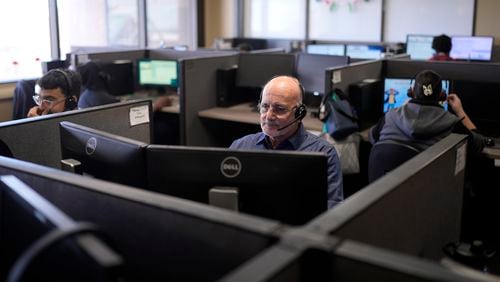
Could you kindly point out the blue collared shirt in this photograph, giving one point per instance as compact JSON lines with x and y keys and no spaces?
{"x":302,"y":141}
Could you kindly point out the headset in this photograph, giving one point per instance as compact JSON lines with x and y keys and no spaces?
{"x":301,"y":110}
{"x":70,"y":103}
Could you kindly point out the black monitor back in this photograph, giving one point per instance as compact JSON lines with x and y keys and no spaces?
{"x":104,"y":155}
{"x":287,"y":186}
{"x":25,"y":218}
{"x":254,"y":70}
{"x":121,"y":78}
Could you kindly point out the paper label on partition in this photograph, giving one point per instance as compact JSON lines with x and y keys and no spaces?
{"x":336,"y":77}
{"x":139,"y":115}
{"x":460,"y":159}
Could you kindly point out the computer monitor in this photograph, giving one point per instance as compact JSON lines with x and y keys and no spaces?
{"x":31,"y":251}
{"x":364,"y":51}
{"x":419,"y":47}
{"x":288,"y":186}
{"x":120,"y":77}
{"x":102,"y":155}
{"x":396,"y":92}
{"x":158,"y":72}
{"x":326,"y":49}
{"x":474,"y":48}
{"x":254,"y":70}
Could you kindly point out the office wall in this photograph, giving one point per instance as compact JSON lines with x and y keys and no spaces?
{"x":486,"y":20}
{"x":220,"y":20}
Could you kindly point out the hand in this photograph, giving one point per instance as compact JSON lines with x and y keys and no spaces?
{"x":37,"y":111}
{"x":456,"y":104}
{"x":160,"y":102}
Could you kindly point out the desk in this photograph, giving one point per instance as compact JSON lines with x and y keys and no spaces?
{"x":243,"y":113}
{"x":173,"y":102}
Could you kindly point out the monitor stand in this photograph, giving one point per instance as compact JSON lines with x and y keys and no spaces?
{"x":224,"y":197}
{"x":71,"y":165}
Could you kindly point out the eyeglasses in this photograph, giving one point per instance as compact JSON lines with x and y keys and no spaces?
{"x":47,"y":101}
{"x":277,"y":109}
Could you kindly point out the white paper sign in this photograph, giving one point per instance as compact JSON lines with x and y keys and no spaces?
{"x":336,"y":77}
{"x":139,"y":115}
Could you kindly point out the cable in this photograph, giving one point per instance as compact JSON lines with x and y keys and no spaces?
{"x":42,"y":244}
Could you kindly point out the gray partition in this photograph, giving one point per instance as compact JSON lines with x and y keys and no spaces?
{"x":175,"y":54}
{"x":414,"y":209}
{"x":161,"y":238}
{"x":454,"y":70}
{"x":199,"y":93}
{"x":309,"y":258}
{"x":353,"y":73}
{"x":37,"y":139}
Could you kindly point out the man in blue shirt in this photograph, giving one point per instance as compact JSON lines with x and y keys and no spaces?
{"x":281,"y":112}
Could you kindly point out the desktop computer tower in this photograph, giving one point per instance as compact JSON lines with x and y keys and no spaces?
{"x":227,"y":93}
{"x":367,"y":97}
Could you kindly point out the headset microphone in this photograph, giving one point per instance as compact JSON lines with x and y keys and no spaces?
{"x":300,"y":113}
{"x":294,"y":121}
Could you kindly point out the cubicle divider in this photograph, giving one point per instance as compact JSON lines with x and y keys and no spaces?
{"x":343,"y":76}
{"x":313,"y":258}
{"x":160,"y":238}
{"x":415,"y":209}
{"x":37,"y":139}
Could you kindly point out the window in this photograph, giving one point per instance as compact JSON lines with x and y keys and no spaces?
{"x":97,"y":23}
{"x":25,"y":40}
{"x":171,"y":22}
{"x":275,"y":18}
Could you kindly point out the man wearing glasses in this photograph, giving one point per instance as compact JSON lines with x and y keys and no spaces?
{"x":281,"y":113}
{"x":57,"y":91}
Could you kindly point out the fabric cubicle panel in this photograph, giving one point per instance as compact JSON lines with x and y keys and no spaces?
{"x":343,"y":76}
{"x":410,"y":209}
{"x":37,"y":139}
{"x":161,"y":238}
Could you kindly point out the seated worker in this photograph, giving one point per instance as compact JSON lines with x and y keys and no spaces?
{"x":58,"y":92}
{"x":281,"y":112}
{"x":423,"y":121}
{"x":95,"y":86}
{"x":442,"y":45}
{"x":23,"y":98}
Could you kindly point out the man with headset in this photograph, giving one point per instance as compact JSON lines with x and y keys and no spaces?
{"x":57,"y":91}
{"x":281,"y":112}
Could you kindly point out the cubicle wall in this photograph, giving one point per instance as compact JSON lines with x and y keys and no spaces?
{"x":414,"y":209}
{"x":343,"y":76}
{"x":308,"y":258}
{"x":161,"y":238}
{"x":199,"y":89}
{"x":37,"y":139}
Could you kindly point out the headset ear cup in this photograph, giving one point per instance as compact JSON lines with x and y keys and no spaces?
{"x":442,"y":96}
{"x":410,"y":93}
{"x":70,"y":103}
{"x":300,"y":112}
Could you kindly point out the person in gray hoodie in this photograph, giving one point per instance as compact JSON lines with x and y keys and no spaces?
{"x":423,"y":121}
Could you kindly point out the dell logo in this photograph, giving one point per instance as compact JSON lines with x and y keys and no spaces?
{"x":91,"y":145}
{"x":230,"y":167}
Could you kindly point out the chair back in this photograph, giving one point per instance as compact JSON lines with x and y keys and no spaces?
{"x":387,"y":155}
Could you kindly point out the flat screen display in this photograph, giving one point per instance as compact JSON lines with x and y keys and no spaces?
{"x":362,"y":51}
{"x":474,"y":48}
{"x":158,"y":72}
{"x":326,"y":49}
{"x":396,"y":92}
{"x":419,"y":47}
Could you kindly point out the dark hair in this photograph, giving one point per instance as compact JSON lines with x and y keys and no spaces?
{"x":442,"y":43}
{"x":70,"y":83}
{"x":93,"y":76}
{"x":427,"y":86}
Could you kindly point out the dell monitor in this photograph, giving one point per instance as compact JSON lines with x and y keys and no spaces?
{"x":159,"y":73}
{"x":419,"y":47}
{"x":396,"y":92}
{"x":364,"y":51}
{"x":473,"y":48}
{"x":326,"y":49}
{"x":38,"y":242}
{"x":288,"y":186}
{"x":102,"y":155}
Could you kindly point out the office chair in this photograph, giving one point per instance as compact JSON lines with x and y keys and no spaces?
{"x":23,"y":98}
{"x":387,"y":155}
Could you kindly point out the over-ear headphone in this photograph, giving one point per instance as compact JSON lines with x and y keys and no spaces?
{"x":70,"y":103}
{"x":301,"y":110}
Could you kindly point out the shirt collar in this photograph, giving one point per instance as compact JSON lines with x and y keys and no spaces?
{"x":291,"y":143}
